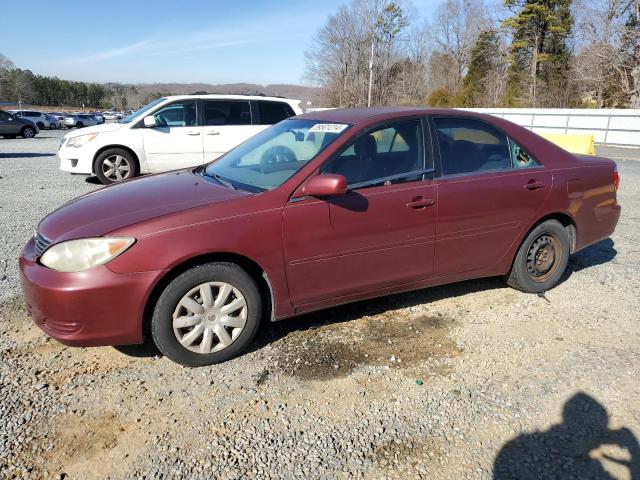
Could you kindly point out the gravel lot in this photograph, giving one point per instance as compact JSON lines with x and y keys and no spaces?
{"x":438,"y":384}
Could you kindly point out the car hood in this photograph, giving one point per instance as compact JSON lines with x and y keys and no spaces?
{"x":134,"y":201}
{"x":102,"y":128}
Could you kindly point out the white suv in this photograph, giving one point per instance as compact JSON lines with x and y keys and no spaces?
{"x":41,"y":119}
{"x":170,"y":133}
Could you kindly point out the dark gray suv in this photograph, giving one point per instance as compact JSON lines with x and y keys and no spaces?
{"x":12,"y":126}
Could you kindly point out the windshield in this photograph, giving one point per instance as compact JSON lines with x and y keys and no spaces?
{"x":144,"y":109}
{"x":274,"y":155}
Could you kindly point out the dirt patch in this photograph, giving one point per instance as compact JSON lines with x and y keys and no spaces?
{"x":393,"y":339}
{"x":83,"y":444}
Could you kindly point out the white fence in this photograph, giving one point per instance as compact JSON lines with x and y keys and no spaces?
{"x":615,"y":127}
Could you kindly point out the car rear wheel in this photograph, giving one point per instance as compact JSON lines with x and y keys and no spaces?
{"x":541,"y":259}
{"x":79,"y":125}
{"x":28,"y":132}
{"x":207,"y":315}
{"x":115,"y":165}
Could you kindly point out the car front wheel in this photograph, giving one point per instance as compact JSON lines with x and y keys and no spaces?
{"x":115,"y":165}
{"x":28,"y":132}
{"x":541,"y":259}
{"x":207,"y":315}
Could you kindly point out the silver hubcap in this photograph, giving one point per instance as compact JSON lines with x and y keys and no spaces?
{"x":28,"y":133}
{"x":210,"y":317}
{"x":116,"y":168}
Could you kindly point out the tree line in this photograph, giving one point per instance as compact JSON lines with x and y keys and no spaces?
{"x":23,"y":86}
{"x":476,"y":53}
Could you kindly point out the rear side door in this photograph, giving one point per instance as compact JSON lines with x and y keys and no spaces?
{"x":486,"y":196}
{"x":379,"y":234}
{"x":226,"y":124}
{"x":176,"y":140}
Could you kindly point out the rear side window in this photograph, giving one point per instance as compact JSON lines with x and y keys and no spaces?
{"x":469,"y":146}
{"x":31,"y":114}
{"x":521,"y":159}
{"x":391,"y":151}
{"x":270,"y":113}
{"x":4,"y":116}
{"x":220,"y":112}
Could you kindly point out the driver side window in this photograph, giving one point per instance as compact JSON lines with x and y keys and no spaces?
{"x":180,"y":114}
{"x":389,"y":151}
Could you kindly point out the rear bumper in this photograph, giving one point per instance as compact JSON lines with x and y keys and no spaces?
{"x":601,"y":225}
{"x":90,"y":308}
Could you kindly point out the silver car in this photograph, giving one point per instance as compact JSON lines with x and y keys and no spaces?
{"x":79,"y":120}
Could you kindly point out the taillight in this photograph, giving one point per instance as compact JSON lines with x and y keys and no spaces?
{"x":616,"y":179}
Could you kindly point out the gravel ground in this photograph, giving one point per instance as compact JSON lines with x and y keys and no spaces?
{"x":472,"y":380}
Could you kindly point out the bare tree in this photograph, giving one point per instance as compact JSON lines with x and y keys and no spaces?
{"x":455,"y":29}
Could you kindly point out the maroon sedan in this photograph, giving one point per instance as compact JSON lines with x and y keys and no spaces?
{"x":321,"y":209}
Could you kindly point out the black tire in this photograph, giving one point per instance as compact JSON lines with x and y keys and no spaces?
{"x":162,"y":330}
{"x":541,"y":259}
{"x":99,"y":167}
{"x":79,"y":125}
{"x":28,"y":132}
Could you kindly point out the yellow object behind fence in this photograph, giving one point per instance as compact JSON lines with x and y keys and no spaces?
{"x":574,"y":143}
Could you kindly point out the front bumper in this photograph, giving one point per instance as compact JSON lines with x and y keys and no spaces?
{"x":90,"y":308}
{"x":76,"y":160}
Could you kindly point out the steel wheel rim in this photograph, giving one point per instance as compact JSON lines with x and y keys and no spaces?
{"x":28,"y":132}
{"x":116,"y":168}
{"x":209,"y":317}
{"x":542,"y":257}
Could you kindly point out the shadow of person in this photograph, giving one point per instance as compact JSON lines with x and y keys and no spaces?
{"x":563,"y":451}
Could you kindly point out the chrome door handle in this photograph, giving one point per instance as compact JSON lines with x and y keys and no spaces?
{"x":213,"y":133}
{"x":193,"y":134}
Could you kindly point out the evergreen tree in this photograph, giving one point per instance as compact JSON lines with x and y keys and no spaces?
{"x":539,"y":50}
{"x":485,"y":61}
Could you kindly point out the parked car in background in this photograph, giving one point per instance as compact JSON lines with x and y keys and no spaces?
{"x":319,"y":210}
{"x":79,"y":120}
{"x":40,"y":119}
{"x":169,"y":133}
{"x":53,"y":121}
{"x":11,"y":126}
{"x":109,"y":116}
{"x":99,"y":118}
{"x":59,"y":116}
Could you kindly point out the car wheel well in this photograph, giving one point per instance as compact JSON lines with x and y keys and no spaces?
{"x":108,"y":147}
{"x":256,"y":272}
{"x":566,"y":221}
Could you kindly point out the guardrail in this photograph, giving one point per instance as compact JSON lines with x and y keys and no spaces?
{"x":615,"y":127}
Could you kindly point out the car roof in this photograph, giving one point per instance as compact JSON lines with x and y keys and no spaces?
{"x":364,"y":115}
{"x":224,"y":96}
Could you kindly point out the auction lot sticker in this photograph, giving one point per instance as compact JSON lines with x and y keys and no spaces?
{"x":328,"y":127}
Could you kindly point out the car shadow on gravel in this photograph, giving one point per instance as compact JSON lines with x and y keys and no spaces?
{"x":25,"y":155}
{"x":579,"y":447}
{"x":596,"y":254}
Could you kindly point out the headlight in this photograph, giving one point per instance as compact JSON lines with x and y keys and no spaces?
{"x":81,"y":140}
{"x":85,"y":253}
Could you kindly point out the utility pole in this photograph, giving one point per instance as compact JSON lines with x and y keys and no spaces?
{"x":370,"y":73}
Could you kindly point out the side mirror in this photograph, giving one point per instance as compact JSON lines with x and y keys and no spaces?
{"x":150,"y":121}
{"x":325,"y":185}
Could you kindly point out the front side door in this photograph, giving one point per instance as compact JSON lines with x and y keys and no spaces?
{"x":485,"y":195}
{"x":379,"y":234}
{"x":176,"y":140}
{"x":226,"y":124}
{"x":7,"y":124}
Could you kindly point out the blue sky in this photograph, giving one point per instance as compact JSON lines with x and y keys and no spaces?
{"x":167,"y":41}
